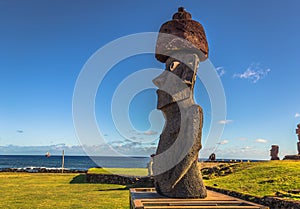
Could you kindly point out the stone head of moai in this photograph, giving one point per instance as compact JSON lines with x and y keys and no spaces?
{"x":181,"y":45}
{"x":274,"y":152}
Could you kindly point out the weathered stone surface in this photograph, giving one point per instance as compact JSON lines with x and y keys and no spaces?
{"x":135,"y":181}
{"x":274,"y":152}
{"x":175,"y":167}
{"x":181,"y":33}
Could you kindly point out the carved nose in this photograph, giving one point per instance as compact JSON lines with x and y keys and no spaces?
{"x":159,"y":80}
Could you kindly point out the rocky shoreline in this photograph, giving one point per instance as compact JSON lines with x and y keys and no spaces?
{"x":42,"y":170}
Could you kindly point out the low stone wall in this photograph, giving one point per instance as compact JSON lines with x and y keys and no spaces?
{"x":136,"y":181}
{"x":272,"y":202}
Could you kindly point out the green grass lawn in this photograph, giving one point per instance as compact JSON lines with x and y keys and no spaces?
{"x":120,"y":171}
{"x":47,"y":190}
{"x":262,"y":179}
{"x":44,"y":190}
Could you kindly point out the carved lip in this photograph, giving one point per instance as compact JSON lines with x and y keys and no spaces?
{"x":160,"y":92}
{"x":164,"y":99}
{"x":163,"y":93}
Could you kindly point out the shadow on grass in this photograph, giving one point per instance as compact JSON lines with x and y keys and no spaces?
{"x":114,"y":189}
{"x":79,"y":179}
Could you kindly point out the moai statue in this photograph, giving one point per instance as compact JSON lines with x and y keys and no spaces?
{"x":212,"y":157}
{"x":298,"y":133}
{"x":181,"y":45}
{"x":274,"y":152}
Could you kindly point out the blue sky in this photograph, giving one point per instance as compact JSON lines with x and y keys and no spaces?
{"x":44,"y":45}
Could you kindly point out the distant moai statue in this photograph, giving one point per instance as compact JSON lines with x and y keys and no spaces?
{"x":181,"y":45}
{"x":295,"y":157}
{"x":212,"y":157}
{"x":298,"y":133}
{"x":274,"y":152}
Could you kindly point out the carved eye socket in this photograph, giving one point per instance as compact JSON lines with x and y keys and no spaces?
{"x":174,"y":65}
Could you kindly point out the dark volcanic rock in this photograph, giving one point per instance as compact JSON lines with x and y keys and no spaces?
{"x":175,"y":166}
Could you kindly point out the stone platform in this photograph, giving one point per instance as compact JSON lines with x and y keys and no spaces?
{"x":292,"y":157}
{"x":147,"y":198}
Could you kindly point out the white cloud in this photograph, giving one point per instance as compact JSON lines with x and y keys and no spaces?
{"x":234,"y":151}
{"x":246,"y":149}
{"x":225,"y":121}
{"x":220,"y":71}
{"x":242,"y":139}
{"x":297,"y":115}
{"x":261,"y":140}
{"x":148,"y":133}
{"x":41,"y":150}
{"x":223,"y":142}
{"x":128,"y":147}
{"x":133,"y":138}
{"x":254,"y":73}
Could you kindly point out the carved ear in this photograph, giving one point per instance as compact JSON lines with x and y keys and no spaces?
{"x":188,"y":82}
{"x":174,"y":65}
{"x":189,"y":75}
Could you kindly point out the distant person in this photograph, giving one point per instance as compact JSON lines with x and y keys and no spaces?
{"x":150,"y":165}
{"x":47,"y":154}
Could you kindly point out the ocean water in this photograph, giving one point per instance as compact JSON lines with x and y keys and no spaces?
{"x":71,"y":162}
{"x":77,"y":162}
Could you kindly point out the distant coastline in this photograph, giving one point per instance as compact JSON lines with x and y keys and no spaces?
{"x":82,"y":163}
{"x":40,"y":163}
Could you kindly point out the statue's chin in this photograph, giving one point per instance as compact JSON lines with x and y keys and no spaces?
{"x":165,"y":99}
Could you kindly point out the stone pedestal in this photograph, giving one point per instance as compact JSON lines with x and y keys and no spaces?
{"x":292,"y":157}
{"x":146,"y":198}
